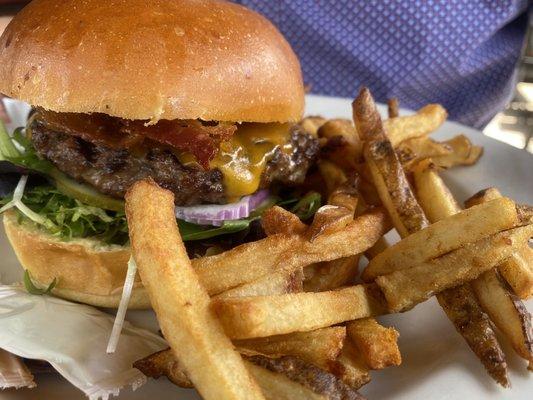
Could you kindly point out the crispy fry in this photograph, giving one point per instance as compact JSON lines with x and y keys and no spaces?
{"x":332,"y":174}
{"x":339,"y":127}
{"x":412,"y":150}
{"x":347,"y":194}
{"x":276,"y":283}
{"x":464,"y":311}
{"x":507,"y":312}
{"x":393,"y":188}
{"x":505,"y":309}
{"x":444,"y":236}
{"x":377,"y":344}
{"x":329,"y":219}
{"x":164,"y":363}
{"x":319,"y":347}
{"x":366,"y":117}
{"x":460,"y":303}
{"x":380,"y":246}
{"x":284,"y":378}
{"x":483,"y":196}
{"x":314,"y":383}
{"x":525,"y":213}
{"x":278,"y":220}
{"x":393,"y":108}
{"x":351,"y":367}
{"x":287,"y":253}
{"x":332,"y":274}
{"x":517,"y":270}
{"x":426,"y":120}
{"x":312,"y":124}
{"x":386,"y":169}
{"x":261,"y":316}
{"x":405,"y":288}
{"x":463,"y":153}
{"x":435,"y":198}
{"x":343,"y":146}
{"x":180,"y":302}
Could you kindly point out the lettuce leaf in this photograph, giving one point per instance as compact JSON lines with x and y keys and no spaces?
{"x":69,"y":219}
{"x":32,"y":289}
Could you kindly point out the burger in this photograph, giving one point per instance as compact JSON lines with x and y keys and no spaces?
{"x":202,"y":96}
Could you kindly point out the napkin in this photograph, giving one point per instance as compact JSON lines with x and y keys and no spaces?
{"x":73,"y":338}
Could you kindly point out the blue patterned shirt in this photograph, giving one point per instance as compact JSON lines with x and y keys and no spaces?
{"x":461,"y":53}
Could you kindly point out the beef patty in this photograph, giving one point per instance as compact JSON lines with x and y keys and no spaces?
{"x":112,"y":171}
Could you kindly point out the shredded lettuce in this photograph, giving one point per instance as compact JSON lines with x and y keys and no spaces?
{"x":67,"y":218}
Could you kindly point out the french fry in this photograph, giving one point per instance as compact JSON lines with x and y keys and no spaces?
{"x":287,"y":253}
{"x":164,"y":363}
{"x":463,"y":153}
{"x":404,"y":289}
{"x":377,"y":344}
{"x":386,"y":169}
{"x":412,"y":150}
{"x":393,"y":188}
{"x":332,"y":174}
{"x":343,"y":146}
{"x":312,"y":124}
{"x":329,"y":219}
{"x":393,"y":109}
{"x":426,"y":120}
{"x":350,"y":367}
{"x":284,"y":378}
{"x":433,"y":194}
{"x":460,"y":303}
{"x":444,"y":236}
{"x":250,"y":317}
{"x":276,"y":283}
{"x":525,"y":213}
{"x":320,"y":385}
{"x":278,"y":220}
{"x":507,"y":312}
{"x":463,"y":309}
{"x":378,"y":248}
{"x":504,"y":308}
{"x":319,"y":347}
{"x":332,"y":274}
{"x":342,"y":204}
{"x":408,"y":218}
{"x":517,"y":270}
{"x":178,"y":299}
{"x":347,"y":194}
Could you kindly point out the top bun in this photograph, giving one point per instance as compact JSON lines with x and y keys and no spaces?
{"x":151,"y":60}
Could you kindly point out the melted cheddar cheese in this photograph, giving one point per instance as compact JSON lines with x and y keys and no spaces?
{"x":243,"y":158}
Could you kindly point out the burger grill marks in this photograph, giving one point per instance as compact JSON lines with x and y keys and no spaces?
{"x":111,"y":154}
{"x":200,"y":139}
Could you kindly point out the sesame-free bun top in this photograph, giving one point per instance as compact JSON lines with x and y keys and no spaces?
{"x":158,"y":59}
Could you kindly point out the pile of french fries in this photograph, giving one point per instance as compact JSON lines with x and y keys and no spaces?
{"x":290,"y":316}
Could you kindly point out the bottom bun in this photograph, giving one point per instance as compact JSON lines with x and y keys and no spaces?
{"x":87,"y":271}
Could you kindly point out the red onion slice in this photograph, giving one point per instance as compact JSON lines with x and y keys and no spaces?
{"x":216,"y":214}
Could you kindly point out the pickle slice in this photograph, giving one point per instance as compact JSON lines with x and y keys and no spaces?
{"x":84,"y":193}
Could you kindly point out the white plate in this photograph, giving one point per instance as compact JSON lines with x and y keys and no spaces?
{"x":437,"y":363}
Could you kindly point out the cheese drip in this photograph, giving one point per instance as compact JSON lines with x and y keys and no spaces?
{"x":243,"y":158}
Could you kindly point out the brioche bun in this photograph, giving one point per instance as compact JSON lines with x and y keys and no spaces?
{"x":151,"y":60}
{"x":86,"y":271}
